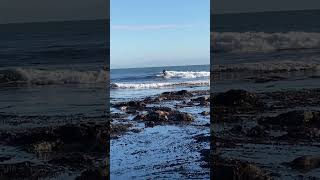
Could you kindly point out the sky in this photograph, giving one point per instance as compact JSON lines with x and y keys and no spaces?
{"x":234,"y":6}
{"x":156,"y":33}
{"x":16,"y":11}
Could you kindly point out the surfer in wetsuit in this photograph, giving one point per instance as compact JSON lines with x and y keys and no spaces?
{"x":164,"y":72}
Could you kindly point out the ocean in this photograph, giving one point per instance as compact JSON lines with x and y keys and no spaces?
{"x":162,"y":151}
{"x":142,"y":82}
{"x":276,"y":56}
{"x":52,"y":78}
{"x":248,"y":45}
{"x":45,"y":67}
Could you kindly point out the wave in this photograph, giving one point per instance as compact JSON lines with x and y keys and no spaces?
{"x":47,"y":77}
{"x":271,"y":66}
{"x":157,"y":85}
{"x":185,"y":74}
{"x":245,"y":42}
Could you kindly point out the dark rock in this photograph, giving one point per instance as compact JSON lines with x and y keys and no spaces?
{"x":202,"y":138}
{"x":4,"y":158}
{"x":218,"y":142}
{"x":257,"y":132}
{"x":175,"y":95}
{"x":24,"y":170}
{"x":205,"y":113}
{"x":240,"y":170}
{"x":118,"y":116}
{"x":294,"y":118}
{"x":45,"y":146}
{"x":305,"y":163}
{"x":311,"y":134}
{"x":237,"y":129}
{"x":92,"y":173}
{"x":117,"y":129}
{"x":131,"y":106}
{"x":75,"y":160}
{"x":178,"y":93}
{"x":165,"y":115}
{"x":237,"y":98}
{"x":265,"y":79}
{"x":136,"y":130}
{"x":66,"y":138}
{"x":203,"y":101}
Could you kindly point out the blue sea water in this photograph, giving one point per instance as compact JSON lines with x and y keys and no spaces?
{"x":53,"y":67}
{"x":165,"y":151}
{"x":282,"y":49}
{"x":142,"y":82}
{"x":249,"y":45}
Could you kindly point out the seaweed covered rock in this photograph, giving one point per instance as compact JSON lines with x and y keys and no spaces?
{"x":294,"y":119}
{"x":257,"y":132}
{"x":160,"y":115}
{"x":236,"y":169}
{"x":25,"y":170}
{"x":66,"y":138}
{"x":305,"y":163}
{"x":175,"y":95}
{"x":131,"y":106}
{"x":237,"y":98}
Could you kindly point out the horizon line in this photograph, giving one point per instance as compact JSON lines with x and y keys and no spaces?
{"x":266,"y":11}
{"x":55,"y":21}
{"x":159,"y":66}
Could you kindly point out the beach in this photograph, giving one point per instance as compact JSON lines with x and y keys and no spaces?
{"x":167,"y":114}
{"x":265,"y":99}
{"x":53,"y":115}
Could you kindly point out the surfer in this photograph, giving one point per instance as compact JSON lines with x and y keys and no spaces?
{"x":164,"y":72}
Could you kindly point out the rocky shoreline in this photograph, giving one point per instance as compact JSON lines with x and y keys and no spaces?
{"x":65,"y":150}
{"x":250,"y":130}
{"x":184,"y":111}
{"x":74,"y":147}
{"x":245,"y":126}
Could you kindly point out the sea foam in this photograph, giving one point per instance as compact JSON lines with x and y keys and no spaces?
{"x":269,"y":66}
{"x":186,"y":74}
{"x":158,"y":85}
{"x":237,"y":42}
{"x":45,"y":77}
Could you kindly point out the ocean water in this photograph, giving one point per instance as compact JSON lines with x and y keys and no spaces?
{"x":249,"y":45}
{"x":267,"y":52}
{"x":166,"y":151}
{"x":53,"y":68}
{"x":142,"y":82}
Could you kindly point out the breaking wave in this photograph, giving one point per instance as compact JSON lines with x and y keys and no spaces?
{"x":157,"y":85}
{"x":186,"y":74}
{"x":237,"y":42}
{"x":47,"y":77}
{"x":271,"y":66}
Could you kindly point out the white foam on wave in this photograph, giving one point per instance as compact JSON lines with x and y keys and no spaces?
{"x":186,"y":74}
{"x":270,"y":66}
{"x":45,"y":77}
{"x":264,"y":42}
{"x":157,"y":85}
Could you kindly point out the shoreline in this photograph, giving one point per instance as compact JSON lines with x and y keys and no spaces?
{"x":265,"y":135}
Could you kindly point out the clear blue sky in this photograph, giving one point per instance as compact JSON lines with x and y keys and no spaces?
{"x":147,"y":33}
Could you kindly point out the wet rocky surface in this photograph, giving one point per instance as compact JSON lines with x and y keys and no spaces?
{"x":265,"y":135}
{"x":162,"y":141}
{"x":62,"y":147}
